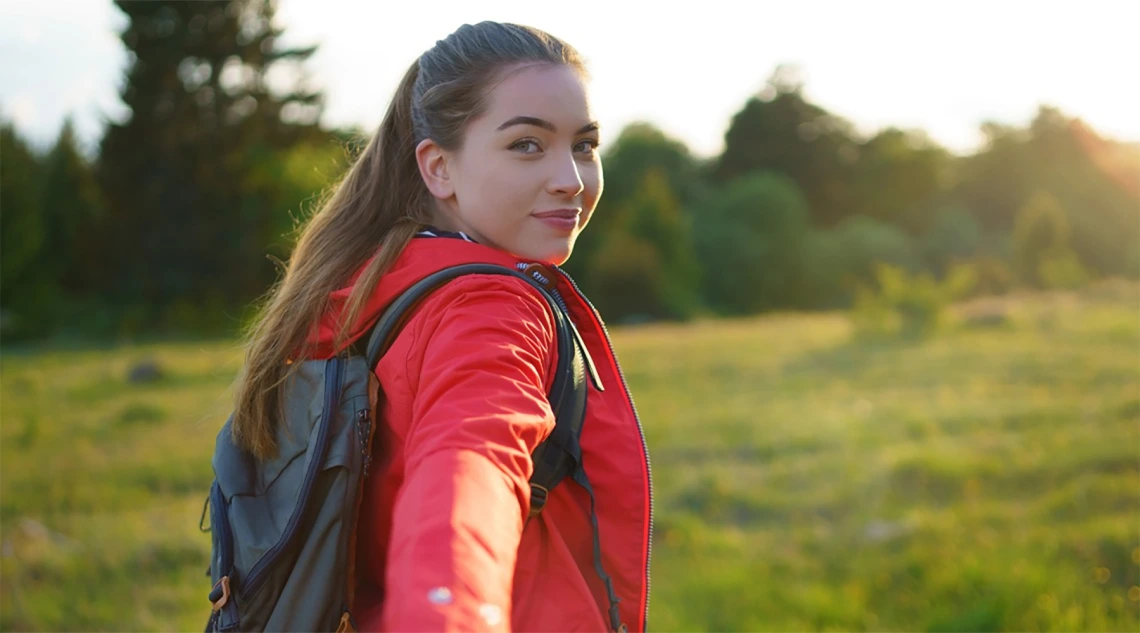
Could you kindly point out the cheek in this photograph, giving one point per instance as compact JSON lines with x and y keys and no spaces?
{"x":593,"y":182}
{"x":502,"y":183}
{"x":481,"y":188}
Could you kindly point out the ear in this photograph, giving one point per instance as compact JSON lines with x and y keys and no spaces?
{"x":434,"y":162}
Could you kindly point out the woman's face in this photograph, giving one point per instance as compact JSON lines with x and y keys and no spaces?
{"x":527,"y":176}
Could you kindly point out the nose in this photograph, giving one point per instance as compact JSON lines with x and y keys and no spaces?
{"x":565,"y":181}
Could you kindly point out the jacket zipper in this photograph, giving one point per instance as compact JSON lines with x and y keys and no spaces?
{"x":257,"y":575}
{"x":640,"y":430}
{"x":591,"y":369}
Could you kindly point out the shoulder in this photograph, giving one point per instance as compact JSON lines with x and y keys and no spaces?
{"x":499,"y":305}
{"x":495,"y":326}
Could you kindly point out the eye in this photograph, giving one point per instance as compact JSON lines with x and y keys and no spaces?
{"x":526,"y":146}
{"x":586,"y":145}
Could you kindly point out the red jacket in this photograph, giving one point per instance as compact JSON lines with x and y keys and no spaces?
{"x":443,"y":538}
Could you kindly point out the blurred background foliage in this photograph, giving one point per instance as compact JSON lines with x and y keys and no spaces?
{"x":174,"y":223}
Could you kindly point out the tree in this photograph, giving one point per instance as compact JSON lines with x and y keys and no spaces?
{"x":22,"y":228}
{"x":650,"y":240}
{"x":953,"y":235}
{"x":642,"y":147}
{"x":994,"y":181}
{"x":780,"y":131}
{"x":900,"y":175}
{"x":49,"y":204}
{"x":838,"y":260}
{"x":185,"y":218}
{"x":749,"y":240}
{"x":1042,"y":254}
{"x":867,"y":242}
{"x":1086,"y":174}
{"x":72,"y":205}
{"x":630,"y":283}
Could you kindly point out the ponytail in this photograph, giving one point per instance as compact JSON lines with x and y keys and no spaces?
{"x":371,"y":215}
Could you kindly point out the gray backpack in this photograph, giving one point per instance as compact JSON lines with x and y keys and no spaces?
{"x":283,"y":531}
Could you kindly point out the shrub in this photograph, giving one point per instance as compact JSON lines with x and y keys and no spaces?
{"x":834,"y":263}
{"x":749,"y":237}
{"x":907,"y":305}
{"x":867,"y":242}
{"x":992,"y":276}
{"x":954,"y":235}
{"x":627,"y":278}
{"x":1041,"y":249}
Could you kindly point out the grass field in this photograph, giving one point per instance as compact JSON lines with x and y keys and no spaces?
{"x":985,"y":479}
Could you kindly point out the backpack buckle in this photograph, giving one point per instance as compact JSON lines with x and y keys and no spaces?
{"x":220,"y":594}
{"x":538,"y":496}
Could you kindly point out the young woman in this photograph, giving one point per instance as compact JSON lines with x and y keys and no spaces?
{"x":487,"y":154}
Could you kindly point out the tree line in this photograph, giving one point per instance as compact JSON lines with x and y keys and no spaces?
{"x":182,"y":218}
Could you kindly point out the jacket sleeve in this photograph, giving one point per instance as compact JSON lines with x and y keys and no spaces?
{"x":479,"y":410}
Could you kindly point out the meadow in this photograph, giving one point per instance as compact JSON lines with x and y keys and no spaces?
{"x":985,"y":478}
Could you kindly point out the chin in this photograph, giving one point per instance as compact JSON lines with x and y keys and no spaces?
{"x":557,"y":258}
{"x":558,"y":253}
{"x":548,"y":251}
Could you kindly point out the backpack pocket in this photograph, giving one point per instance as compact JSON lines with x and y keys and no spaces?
{"x":288,"y":520}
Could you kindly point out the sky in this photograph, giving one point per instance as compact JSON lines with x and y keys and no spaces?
{"x":944,"y":67}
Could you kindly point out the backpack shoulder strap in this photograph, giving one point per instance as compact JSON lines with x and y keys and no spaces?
{"x":557,"y":456}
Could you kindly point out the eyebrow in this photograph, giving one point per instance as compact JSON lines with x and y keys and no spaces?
{"x":544,"y":124}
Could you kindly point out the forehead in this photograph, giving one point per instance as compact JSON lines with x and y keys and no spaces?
{"x":553,"y":92}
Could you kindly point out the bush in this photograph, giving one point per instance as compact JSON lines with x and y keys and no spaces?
{"x":825,"y":281}
{"x":749,"y":239}
{"x":1062,"y":269}
{"x":907,"y":305}
{"x":954,"y":235}
{"x":1041,"y":249}
{"x":628,"y":283}
{"x":866,"y":243}
{"x":643,"y":264}
{"x":834,"y":263}
{"x":992,"y":276}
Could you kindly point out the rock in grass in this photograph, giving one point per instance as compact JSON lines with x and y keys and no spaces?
{"x":879,"y":531}
{"x":989,"y":314}
{"x":146,"y":371}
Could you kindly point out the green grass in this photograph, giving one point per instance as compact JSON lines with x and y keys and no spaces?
{"x":984,"y":479}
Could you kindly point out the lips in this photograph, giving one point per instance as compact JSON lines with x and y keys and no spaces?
{"x":561,"y":214}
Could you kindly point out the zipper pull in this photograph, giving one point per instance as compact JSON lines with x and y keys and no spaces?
{"x":536,"y":271}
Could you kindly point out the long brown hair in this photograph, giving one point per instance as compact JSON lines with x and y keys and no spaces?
{"x":376,"y":209}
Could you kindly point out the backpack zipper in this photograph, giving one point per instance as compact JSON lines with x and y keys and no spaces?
{"x":220,"y":513}
{"x":333,"y":378}
{"x":364,"y":432}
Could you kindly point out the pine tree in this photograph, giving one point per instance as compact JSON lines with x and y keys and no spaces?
{"x":72,"y":204}
{"x":185,"y":220}
{"x":21,"y":224}
{"x":48,"y":204}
